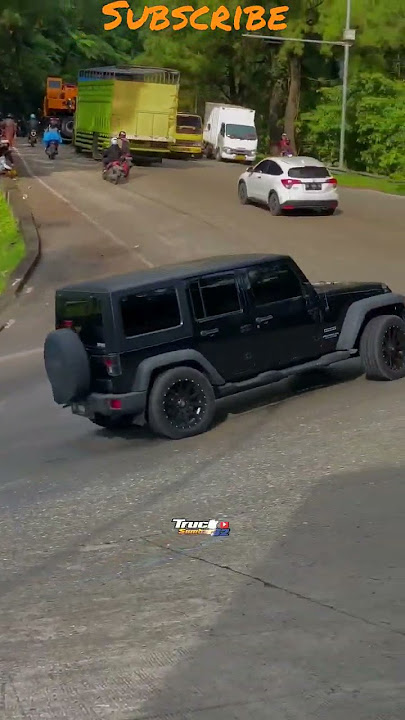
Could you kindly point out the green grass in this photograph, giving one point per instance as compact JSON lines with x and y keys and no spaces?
{"x":361,"y":181}
{"x":12,"y":247}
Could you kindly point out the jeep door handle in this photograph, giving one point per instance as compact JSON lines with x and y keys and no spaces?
{"x":261,"y":320}
{"x":208,"y":333}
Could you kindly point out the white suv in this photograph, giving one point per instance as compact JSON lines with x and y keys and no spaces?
{"x":289,"y":183}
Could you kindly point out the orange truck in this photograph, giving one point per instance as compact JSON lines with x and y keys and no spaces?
{"x":60,"y":101}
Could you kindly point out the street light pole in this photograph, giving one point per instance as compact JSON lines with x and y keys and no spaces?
{"x":344,"y":88}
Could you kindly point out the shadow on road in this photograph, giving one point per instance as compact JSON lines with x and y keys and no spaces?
{"x":315,"y":630}
{"x":269,"y":395}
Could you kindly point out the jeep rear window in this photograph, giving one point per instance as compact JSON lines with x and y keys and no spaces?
{"x":309,"y":171}
{"x":150,"y":311}
{"x":84,"y":316}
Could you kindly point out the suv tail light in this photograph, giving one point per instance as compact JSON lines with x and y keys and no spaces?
{"x":332,"y":181}
{"x":66,"y":324}
{"x":112,"y":363}
{"x":288,"y":182}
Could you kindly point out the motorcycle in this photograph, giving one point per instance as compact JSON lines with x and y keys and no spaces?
{"x":6,"y":168}
{"x":52,"y":149}
{"x":118,"y":170}
{"x":32,"y":138}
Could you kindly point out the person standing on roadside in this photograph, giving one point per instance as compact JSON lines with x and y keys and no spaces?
{"x":9,"y":129}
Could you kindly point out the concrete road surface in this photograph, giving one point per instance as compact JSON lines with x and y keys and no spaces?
{"x":104,"y":611}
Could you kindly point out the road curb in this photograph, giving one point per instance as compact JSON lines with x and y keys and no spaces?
{"x":27,"y":226}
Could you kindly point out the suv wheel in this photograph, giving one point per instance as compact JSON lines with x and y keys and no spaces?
{"x":274,"y":204}
{"x":113,"y":423}
{"x":243,"y":194}
{"x":181,"y":403}
{"x":382,"y":348}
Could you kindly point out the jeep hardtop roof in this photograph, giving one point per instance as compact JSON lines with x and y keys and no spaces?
{"x":164,"y":273}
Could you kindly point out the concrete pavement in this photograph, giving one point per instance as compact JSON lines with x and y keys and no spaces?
{"x":104,"y":611}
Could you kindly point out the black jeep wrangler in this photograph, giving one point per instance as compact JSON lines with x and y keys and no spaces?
{"x":161,"y":345}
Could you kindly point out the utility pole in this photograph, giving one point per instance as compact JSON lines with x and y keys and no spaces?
{"x":347,"y":36}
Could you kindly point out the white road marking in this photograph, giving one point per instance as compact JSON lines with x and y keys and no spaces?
{"x":20,"y":355}
{"x":91,"y":220}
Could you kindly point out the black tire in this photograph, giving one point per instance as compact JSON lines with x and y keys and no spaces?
{"x":329,"y":211}
{"x":382,"y":348}
{"x":243,"y":194}
{"x":274,"y":204}
{"x":111,"y":422}
{"x":164,"y":411}
{"x":67,"y":366}
{"x":67,"y":128}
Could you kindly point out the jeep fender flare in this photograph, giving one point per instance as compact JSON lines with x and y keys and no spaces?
{"x":356,"y":314}
{"x":176,"y":357}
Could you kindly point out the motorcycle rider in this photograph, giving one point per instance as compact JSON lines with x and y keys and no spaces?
{"x":285,"y":145}
{"x":52,"y":135}
{"x":112,"y":153}
{"x":9,"y":129}
{"x":123,"y":143}
{"x":6,"y":158}
{"x":32,"y":123}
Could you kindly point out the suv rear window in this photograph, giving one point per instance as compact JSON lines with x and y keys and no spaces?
{"x":150,"y":311}
{"x":309,"y":171}
{"x":84,"y":316}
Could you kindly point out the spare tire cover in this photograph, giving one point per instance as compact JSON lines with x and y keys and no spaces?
{"x":67,"y":366}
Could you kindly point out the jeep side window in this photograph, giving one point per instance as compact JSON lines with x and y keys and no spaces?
{"x":214,"y":296}
{"x":150,"y":311}
{"x":274,"y":283}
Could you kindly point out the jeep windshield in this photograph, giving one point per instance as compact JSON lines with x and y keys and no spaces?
{"x":84,"y":316}
{"x":240,"y":132}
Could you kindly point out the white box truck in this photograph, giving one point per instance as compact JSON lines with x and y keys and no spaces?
{"x":229,"y":133}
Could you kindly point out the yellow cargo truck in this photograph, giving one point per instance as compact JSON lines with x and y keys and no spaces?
{"x":140,"y":100}
{"x":189,"y":137}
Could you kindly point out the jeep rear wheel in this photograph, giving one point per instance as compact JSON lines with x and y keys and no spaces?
{"x":181,"y":403}
{"x":382,"y":348}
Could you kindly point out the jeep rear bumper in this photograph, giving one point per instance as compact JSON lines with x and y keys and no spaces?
{"x":111,"y":405}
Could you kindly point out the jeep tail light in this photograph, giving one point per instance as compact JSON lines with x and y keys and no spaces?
{"x":112,"y":364}
{"x":332,"y":181}
{"x":289,"y":182}
{"x":67,"y":324}
{"x":115,"y":404}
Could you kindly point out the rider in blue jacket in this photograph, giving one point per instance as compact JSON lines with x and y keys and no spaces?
{"x":51,"y":135}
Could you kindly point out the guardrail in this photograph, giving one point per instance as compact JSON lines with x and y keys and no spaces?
{"x":347,"y":171}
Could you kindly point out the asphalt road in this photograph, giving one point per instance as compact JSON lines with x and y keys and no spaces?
{"x":104,"y":611}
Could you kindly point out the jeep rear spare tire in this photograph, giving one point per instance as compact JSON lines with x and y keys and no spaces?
{"x":181,"y":403}
{"x":382,"y":348}
{"x":67,"y":366}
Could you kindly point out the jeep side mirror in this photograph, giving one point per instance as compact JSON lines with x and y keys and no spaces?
{"x":250,"y":169}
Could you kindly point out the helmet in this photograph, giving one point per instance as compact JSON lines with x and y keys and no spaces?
{"x":9,"y":115}
{"x":32,"y":116}
{"x":284,"y":135}
{"x":122,"y":134}
{"x":114,"y":141}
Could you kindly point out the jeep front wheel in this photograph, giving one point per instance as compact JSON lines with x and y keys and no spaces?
{"x":382,"y":348}
{"x":181,"y":403}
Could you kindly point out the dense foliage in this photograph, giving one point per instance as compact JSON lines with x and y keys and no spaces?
{"x":292,"y":86}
